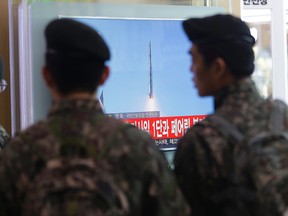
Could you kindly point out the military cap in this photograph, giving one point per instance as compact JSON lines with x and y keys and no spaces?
{"x":68,"y":36}
{"x":217,"y":28}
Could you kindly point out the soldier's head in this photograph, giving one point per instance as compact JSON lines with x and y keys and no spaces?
{"x":75,"y":59}
{"x":221,"y":51}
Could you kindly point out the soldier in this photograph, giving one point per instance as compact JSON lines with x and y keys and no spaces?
{"x":222,"y":64}
{"x":4,"y":137}
{"x":76,"y":131}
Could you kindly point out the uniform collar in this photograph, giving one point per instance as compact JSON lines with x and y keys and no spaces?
{"x":81,"y":105}
{"x":240,"y":88}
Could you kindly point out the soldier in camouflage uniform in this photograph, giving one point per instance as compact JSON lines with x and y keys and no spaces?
{"x":4,"y":137}
{"x":74,"y":68}
{"x":222,"y":63}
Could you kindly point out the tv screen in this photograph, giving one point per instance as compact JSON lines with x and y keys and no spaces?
{"x":150,"y":84}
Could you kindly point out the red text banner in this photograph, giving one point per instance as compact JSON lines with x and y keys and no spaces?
{"x":166,"y":127}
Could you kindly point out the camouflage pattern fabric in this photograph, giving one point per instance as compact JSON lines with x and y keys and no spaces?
{"x":137,"y":165}
{"x":68,"y":185}
{"x":4,"y":137}
{"x":205,"y":158}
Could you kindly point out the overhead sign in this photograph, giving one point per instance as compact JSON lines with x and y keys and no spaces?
{"x":257,"y":4}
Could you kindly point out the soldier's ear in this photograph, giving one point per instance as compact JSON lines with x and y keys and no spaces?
{"x":222,"y":72}
{"x":220,"y":68}
{"x":105,"y":75}
{"x":47,"y":77}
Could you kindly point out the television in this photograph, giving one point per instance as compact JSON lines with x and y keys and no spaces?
{"x":150,"y":84}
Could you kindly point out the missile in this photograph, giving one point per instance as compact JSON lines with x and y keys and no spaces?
{"x":150,"y":74}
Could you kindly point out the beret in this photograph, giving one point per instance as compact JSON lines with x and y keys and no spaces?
{"x":67,"y":36}
{"x":217,"y":28}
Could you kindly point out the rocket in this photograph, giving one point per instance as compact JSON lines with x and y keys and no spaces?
{"x":150,"y":74}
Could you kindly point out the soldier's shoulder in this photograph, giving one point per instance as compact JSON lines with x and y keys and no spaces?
{"x":206,"y":132}
{"x":33,"y":129}
{"x":2,"y":130}
{"x":4,"y":137}
{"x":126,"y":129}
{"x":206,"y":126}
{"x":29,"y":135}
{"x":130,"y":140}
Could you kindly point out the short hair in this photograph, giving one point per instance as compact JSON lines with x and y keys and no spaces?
{"x":74,"y":74}
{"x":238,"y":56}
